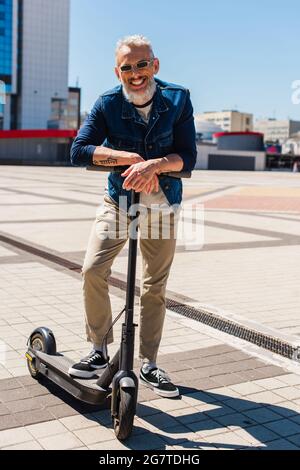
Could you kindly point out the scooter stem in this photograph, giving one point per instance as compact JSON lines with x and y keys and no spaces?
{"x":127,"y":343}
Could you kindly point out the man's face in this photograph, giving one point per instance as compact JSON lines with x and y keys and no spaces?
{"x":137,"y":83}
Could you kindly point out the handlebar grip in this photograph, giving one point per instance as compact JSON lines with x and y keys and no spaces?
{"x":120,"y":169}
{"x":107,"y":169}
{"x":178,"y":174}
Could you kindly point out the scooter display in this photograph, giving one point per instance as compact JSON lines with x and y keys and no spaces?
{"x":117,"y":381}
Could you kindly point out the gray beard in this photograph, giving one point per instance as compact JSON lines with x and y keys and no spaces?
{"x":139,"y":99}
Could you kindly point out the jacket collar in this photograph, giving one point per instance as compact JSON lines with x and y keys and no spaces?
{"x":159,"y":104}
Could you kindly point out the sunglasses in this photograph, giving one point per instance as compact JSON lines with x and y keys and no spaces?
{"x":143,"y":64}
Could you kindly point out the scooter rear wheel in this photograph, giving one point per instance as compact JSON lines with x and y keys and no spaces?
{"x":123,"y":423}
{"x":41,"y":339}
{"x":37,"y":342}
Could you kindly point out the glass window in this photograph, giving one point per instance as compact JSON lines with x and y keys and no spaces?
{"x":6,"y":37}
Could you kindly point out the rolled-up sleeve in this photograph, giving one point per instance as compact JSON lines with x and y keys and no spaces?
{"x":185,"y":136}
{"x":91,"y":135}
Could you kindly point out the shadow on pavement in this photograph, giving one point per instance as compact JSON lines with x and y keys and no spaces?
{"x":226,"y":412}
{"x":223,"y":412}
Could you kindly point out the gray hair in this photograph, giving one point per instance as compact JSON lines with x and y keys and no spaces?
{"x":134,"y":40}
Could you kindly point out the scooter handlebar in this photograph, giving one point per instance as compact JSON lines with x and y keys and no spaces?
{"x":120,"y":169}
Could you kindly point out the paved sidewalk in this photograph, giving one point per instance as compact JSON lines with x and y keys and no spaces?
{"x":233,"y":396}
{"x":248,"y":267}
{"x":230,"y":399}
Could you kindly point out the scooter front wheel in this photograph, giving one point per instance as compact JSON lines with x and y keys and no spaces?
{"x":123,"y":423}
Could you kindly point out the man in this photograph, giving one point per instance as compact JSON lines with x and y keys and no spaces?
{"x":148,"y":126}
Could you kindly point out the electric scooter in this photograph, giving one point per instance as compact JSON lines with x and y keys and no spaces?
{"x":117,"y":381}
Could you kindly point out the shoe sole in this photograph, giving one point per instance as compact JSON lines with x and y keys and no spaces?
{"x":161,"y":393}
{"x":81,"y":374}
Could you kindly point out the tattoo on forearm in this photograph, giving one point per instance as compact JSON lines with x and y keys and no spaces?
{"x":108,"y":161}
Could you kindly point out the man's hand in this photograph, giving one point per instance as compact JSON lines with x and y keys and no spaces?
{"x":142,"y":176}
{"x":129,"y":158}
{"x":152,"y":186}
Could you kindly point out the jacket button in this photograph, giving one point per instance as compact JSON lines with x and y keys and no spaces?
{"x":150,"y":147}
{"x":167,"y":186}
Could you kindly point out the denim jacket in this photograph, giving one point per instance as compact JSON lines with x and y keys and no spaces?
{"x":115,"y":123}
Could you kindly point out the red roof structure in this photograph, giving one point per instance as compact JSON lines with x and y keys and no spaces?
{"x":38,"y":134}
{"x":221,"y":134}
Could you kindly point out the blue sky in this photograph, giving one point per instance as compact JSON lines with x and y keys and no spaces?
{"x":231,"y":55}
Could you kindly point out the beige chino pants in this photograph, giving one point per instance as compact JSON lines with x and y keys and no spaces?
{"x":157,"y":256}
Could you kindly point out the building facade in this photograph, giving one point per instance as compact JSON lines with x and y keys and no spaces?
{"x":228,"y":120}
{"x":242,"y":151}
{"x":65,"y":113}
{"x":8,"y":53}
{"x":34,"y":60}
{"x":205,"y":131}
{"x":36,"y":147}
{"x":292,"y":145}
{"x":277,"y":130}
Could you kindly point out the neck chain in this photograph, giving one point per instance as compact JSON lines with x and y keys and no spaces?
{"x":144,"y":105}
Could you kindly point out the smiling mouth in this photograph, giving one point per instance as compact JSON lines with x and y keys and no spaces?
{"x":137,"y":83}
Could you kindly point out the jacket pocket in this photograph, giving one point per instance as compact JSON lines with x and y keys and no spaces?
{"x":122,"y":144}
{"x":165,"y":144}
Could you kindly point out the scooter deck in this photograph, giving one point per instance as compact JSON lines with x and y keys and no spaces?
{"x":56,"y":367}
